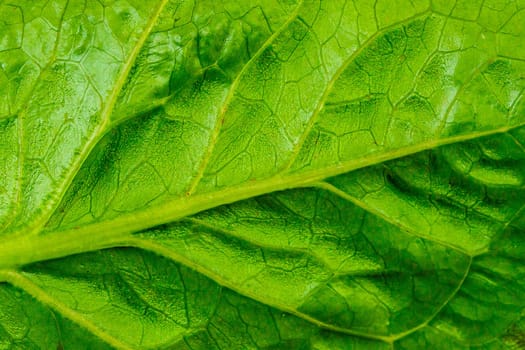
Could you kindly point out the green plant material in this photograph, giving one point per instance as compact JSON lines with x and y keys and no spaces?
{"x":270,"y":174}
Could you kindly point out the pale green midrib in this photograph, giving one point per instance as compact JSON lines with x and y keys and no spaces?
{"x":231,"y":93}
{"x":172,"y":255}
{"x":97,"y":134}
{"x":16,"y":279}
{"x":25,"y":249}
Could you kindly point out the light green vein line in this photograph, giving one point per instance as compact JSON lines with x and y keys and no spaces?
{"x":231,"y":93}
{"x":18,"y":280}
{"x":246,"y":238}
{"x":336,"y":191}
{"x":508,"y":224}
{"x":332,"y":81}
{"x":26,"y":249}
{"x":465,"y":85}
{"x":119,"y":84}
{"x":20,"y":124}
{"x":172,"y":255}
{"x":4,"y":275}
{"x":100,"y":130}
{"x":438,"y":310}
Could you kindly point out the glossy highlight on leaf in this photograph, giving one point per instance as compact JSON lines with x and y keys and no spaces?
{"x":270,"y":174}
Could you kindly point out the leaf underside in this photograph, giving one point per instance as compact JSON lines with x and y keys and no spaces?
{"x":270,"y":174}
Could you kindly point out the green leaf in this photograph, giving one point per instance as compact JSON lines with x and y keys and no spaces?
{"x":265,"y":174}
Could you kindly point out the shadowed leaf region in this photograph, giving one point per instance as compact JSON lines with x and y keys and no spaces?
{"x":270,"y":174}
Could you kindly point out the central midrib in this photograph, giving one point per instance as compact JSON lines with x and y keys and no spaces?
{"x":23,"y":249}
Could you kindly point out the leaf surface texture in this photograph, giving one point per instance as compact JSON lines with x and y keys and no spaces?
{"x":271,"y":174}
